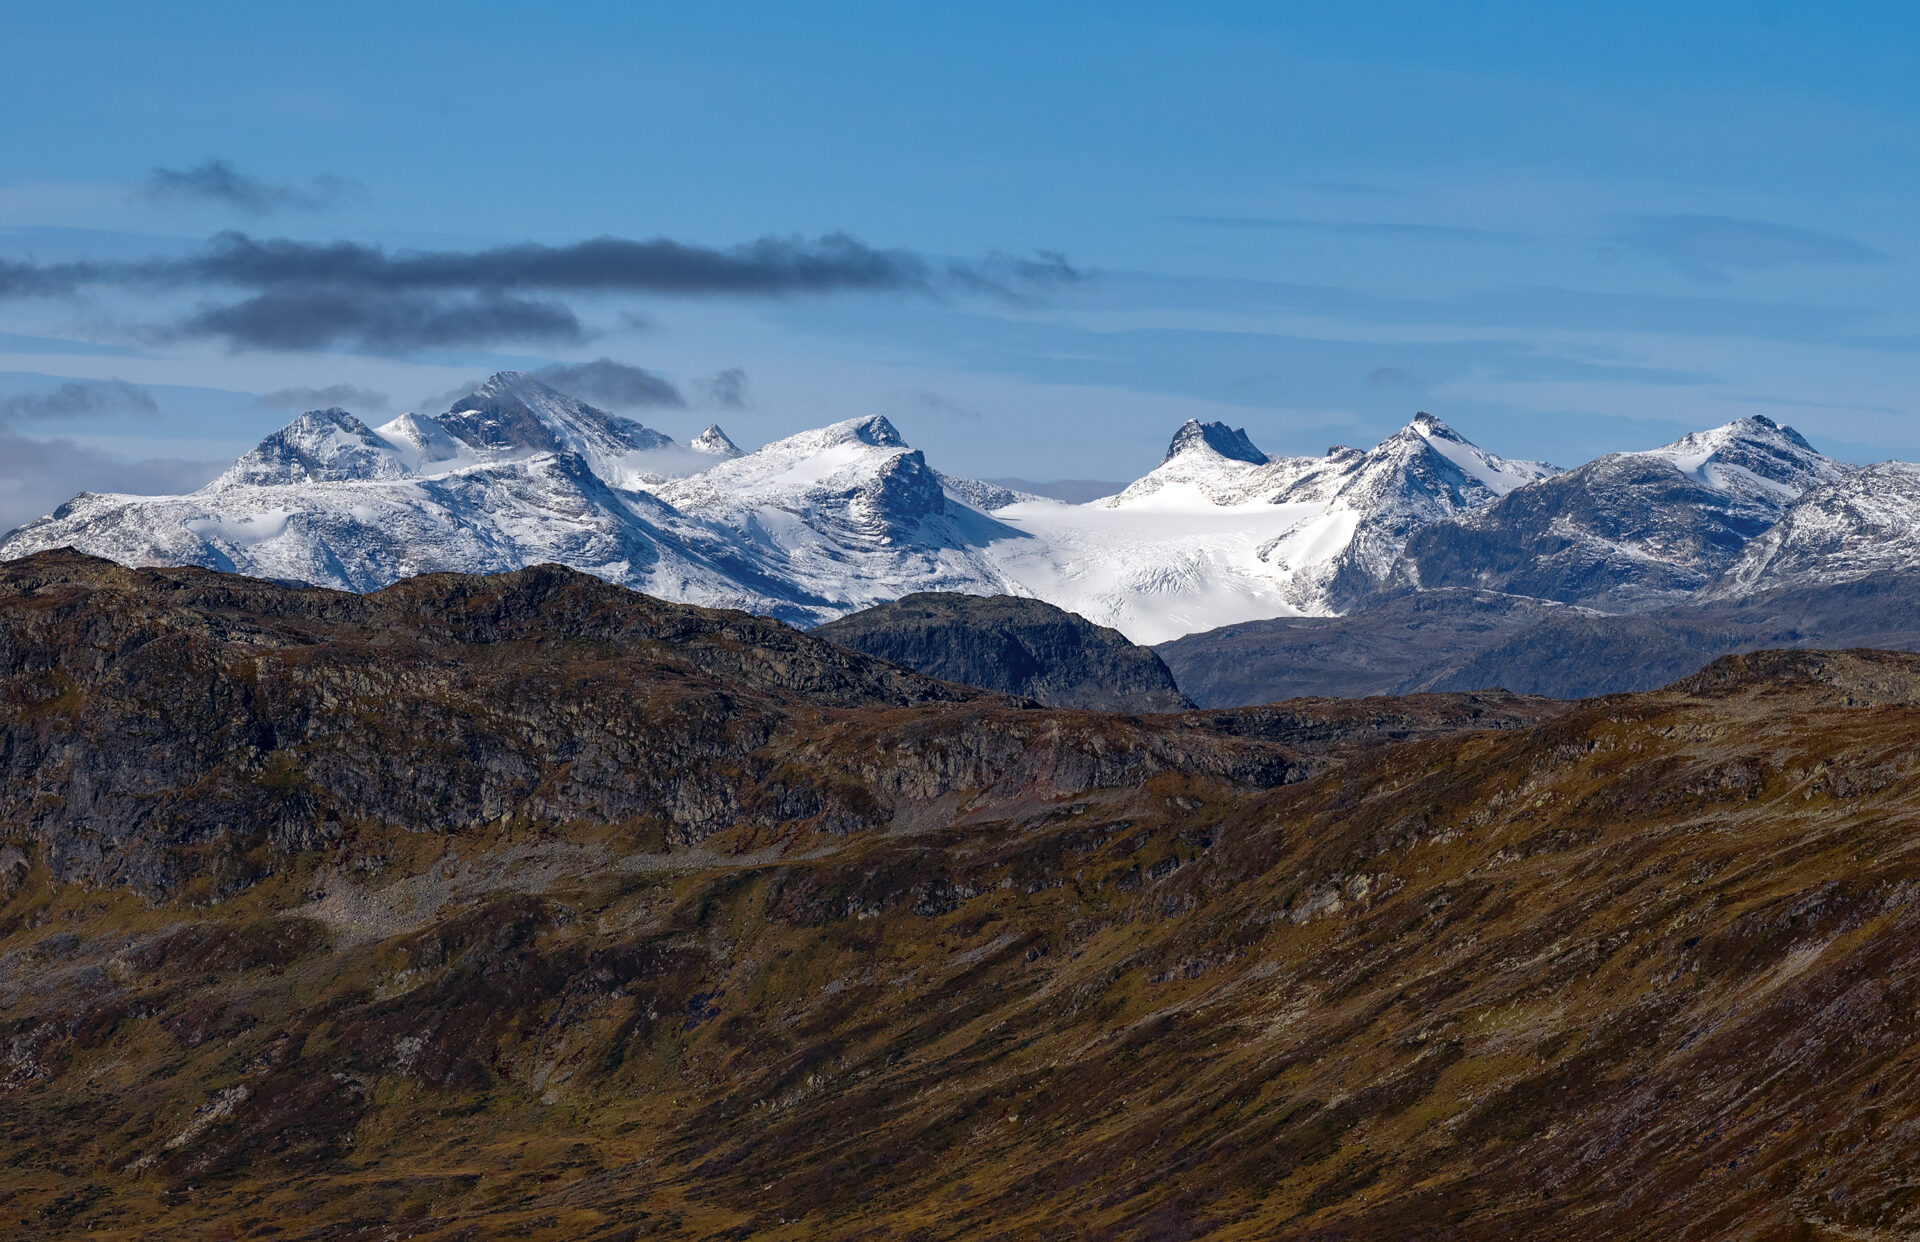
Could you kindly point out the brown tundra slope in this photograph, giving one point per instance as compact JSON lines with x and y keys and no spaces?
{"x":528,"y":907}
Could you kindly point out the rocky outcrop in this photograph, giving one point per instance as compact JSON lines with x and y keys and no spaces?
{"x":1016,"y":646}
{"x":167,"y":729}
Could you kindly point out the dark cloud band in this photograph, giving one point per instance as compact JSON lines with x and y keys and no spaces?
{"x":315,"y":318}
{"x":308,"y":295}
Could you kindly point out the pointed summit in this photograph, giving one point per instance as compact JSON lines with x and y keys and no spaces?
{"x":1228,"y":442}
{"x":319,"y":446}
{"x":1750,"y":455}
{"x":1429,"y":427}
{"x":1476,"y":467}
{"x":714,"y":443}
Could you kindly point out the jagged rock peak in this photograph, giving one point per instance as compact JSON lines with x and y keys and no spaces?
{"x":714,"y":443}
{"x":1229,"y":442}
{"x":876,"y":431}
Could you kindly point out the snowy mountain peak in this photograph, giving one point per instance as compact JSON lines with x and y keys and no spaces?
{"x":1751,"y":455}
{"x":513,"y":410}
{"x":514,"y":414}
{"x":714,"y":443}
{"x":1228,"y":442}
{"x":1498,"y":475}
{"x":328,"y":445}
{"x":1858,"y":526}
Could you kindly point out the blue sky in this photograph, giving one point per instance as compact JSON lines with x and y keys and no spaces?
{"x":1563,"y":231}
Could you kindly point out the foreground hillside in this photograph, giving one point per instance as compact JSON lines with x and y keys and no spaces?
{"x":529,"y":907}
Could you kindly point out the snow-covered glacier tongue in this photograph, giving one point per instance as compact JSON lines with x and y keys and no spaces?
{"x":1220,"y":532}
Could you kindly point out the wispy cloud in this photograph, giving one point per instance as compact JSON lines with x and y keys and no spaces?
{"x":1374,"y":230}
{"x":76,"y":398}
{"x":937,"y":405}
{"x":727,"y":389}
{"x":617,"y":385}
{"x":1710,"y":248}
{"x":1356,"y":189}
{"x":301,"y":318}
{"x":345,"y":396}
{"x":217,"y":181}
{"x":1392,"y":377}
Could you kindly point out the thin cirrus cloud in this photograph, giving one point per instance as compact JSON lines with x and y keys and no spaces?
{"x":938,"y":406}
{"x":217,"y":181}
{"x":309,"y":295}
{"x":78,"y":398}
{"x":1710,"y":249}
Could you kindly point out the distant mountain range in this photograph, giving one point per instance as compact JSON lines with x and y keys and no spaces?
{"x":830,"y":521}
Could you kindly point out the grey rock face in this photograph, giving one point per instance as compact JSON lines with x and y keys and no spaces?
{"x":1230,"y":442}
{"x":1016,"y":646}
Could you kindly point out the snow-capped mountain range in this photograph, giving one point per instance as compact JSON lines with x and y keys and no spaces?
{"x":828,"y":521}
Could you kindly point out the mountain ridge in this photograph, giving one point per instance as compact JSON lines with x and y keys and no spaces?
{"x":831,"y":520}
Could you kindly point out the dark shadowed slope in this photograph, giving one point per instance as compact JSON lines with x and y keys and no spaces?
{"x":1385,"y":649}
{"x":1459,"y":640}
{"x":1016,"y":646}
